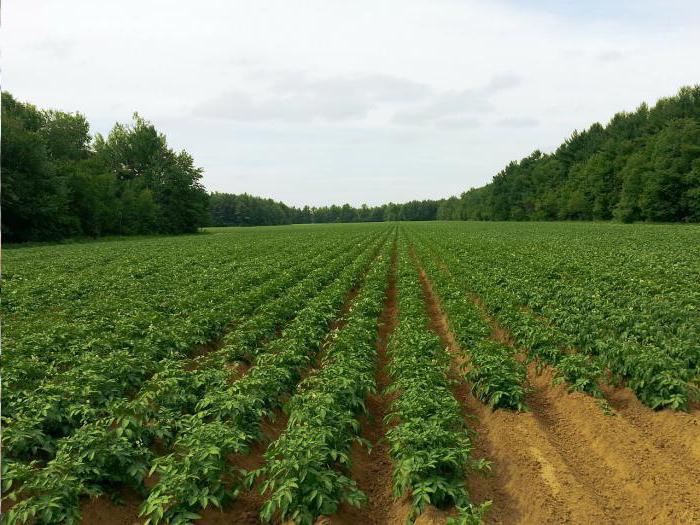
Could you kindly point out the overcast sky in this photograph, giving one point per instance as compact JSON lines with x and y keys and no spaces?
{"x":320,"y":102}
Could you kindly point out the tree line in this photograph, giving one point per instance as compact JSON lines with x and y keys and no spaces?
{"x":228,"y":209}
{"x":58,"y":181}
{"x":641,"y":166}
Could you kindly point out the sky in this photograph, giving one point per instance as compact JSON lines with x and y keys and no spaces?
{"x":369,"y":101}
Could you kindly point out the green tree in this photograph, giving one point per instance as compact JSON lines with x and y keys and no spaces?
{"x":139,"y":153}
{"x":35,"y":197}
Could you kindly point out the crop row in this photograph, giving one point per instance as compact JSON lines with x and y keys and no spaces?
{"x":429,"y":441}
{"x":143,"y":302}
{"x":306,"y":470}
{"x":496,"y":377}
{"x":544,"y":344}
{"x":155,"y":412}
{"x":198,"y":472}
{"x":636,"y":284}
{"x":84,"y":393}
{"x":568,"y":332}
{"x":111,"y":450}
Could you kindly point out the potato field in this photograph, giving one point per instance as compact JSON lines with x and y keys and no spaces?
{"x":379,"y":373}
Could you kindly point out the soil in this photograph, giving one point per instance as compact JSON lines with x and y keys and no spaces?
{"x":337,"y":324}
{"x":567,"y":461}
{"x":245,"y":509}
{"x":104,"y":510}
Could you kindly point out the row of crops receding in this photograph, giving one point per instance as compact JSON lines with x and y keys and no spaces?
{"x":146,"y":369}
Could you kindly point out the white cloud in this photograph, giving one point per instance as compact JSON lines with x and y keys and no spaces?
{"x":327,"y":100}
{"x":457,"y":106}
{"x":518,"y":122}
{"x":294,"y":97}
{"x":503,"y":81}
{"x":611,"y":55}
{"x":458,"y":123}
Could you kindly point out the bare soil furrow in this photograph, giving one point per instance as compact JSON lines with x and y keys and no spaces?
{"x":245,"y":509}
{"x":525,"y":467}
{"x":637,"y":465}
{"x":635,"y":479}
{"x":676,"y":434}
{"x":530,"y":480}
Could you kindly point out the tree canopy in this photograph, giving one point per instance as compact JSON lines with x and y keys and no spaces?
{"x":57,"y":181}
{"x":246,"y":210}
{"x":642,"y":166}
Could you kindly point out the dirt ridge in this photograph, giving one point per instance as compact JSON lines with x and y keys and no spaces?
{"x":568,"y":462}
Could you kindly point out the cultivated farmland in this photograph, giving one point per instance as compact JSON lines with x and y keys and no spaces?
{"x":370,"y":373}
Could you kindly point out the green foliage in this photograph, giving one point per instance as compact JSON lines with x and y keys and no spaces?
{"x":35,"y":198}
{"x":497,"y":378}
{"x":184,"y":485}
{"x":429,"y":443}
{"x":580,"y":373}
{"x":642,"y":166}
{"x":125,"y":376}
{"x":306,"y":467}
{"x":227,"y":209}
{"x":84,"y":463}
{"x":588,"y":299}
{"x":119,"y":357}
{"x":469,"y":514}
{"x":195,"y":477}
{"x":59,"y":183}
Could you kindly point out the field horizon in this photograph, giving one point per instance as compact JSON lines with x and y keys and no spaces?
{"x":207,"y":230}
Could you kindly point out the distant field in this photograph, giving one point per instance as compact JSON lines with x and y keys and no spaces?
{"x":365,"y":373}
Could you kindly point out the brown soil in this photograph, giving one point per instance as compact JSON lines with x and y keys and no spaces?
{"x":104,"y":510}
{"x":678,"y":433}
{"x":438,"y":323}
{"x":635,"y":479}
{"x":213,"y":345}
{"x":336,"y":325}
{"x":245,"y":509}
{"x":340,"y":321}
{"x":498,"y":333}
{"x":568,"y":462}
